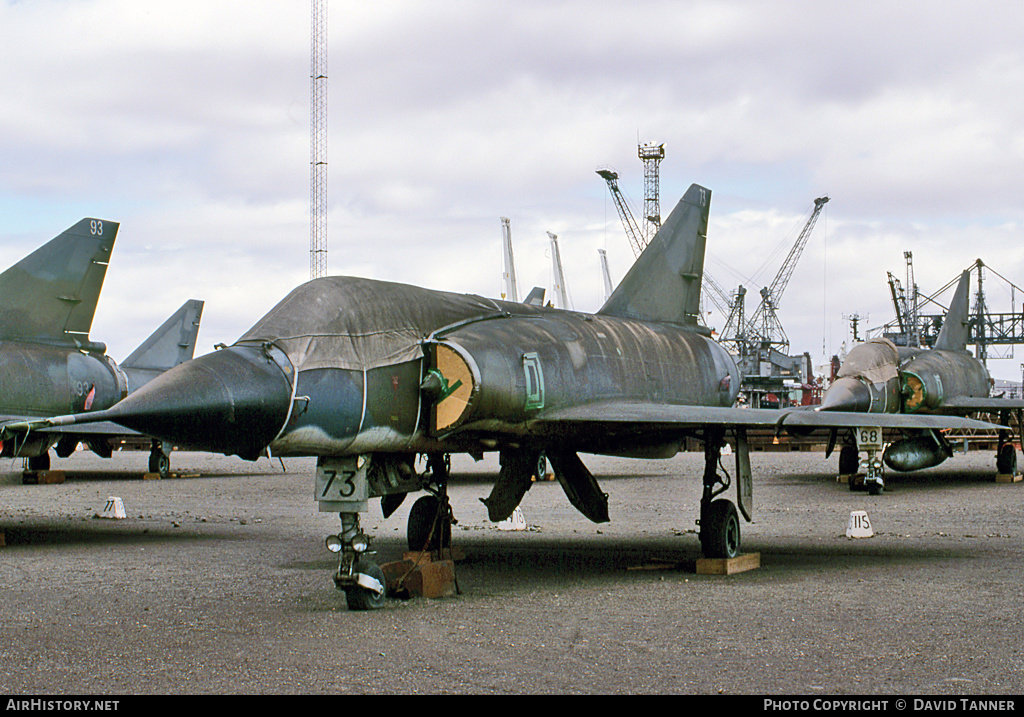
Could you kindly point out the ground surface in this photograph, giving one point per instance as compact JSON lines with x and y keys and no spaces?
{"x":218,"y":581}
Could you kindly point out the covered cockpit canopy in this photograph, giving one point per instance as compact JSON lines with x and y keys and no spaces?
{"x":353,"y":323}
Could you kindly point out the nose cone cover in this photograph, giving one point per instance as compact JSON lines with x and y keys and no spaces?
{"x":847,"y":394}
{"x":233,"y":401}
{"x":868,"y":380}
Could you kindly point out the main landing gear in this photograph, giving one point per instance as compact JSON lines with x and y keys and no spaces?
{"x":430,"y":519}
{"x":719,"y":519}
{"x":159,"y":459}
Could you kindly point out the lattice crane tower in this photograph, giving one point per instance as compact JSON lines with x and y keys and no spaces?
{"x":651,"y":155}
{"x":318,"y":144}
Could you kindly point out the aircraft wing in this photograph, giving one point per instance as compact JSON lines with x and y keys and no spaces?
{"x":965,"y":404}
{"x":644,"y":416}
{"x":35,"y":424}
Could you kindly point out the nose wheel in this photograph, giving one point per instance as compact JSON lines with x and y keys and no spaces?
{"x":360,"y":578}
{"x":368,"y":592}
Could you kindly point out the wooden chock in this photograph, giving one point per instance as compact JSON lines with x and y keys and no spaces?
{"x":729,"y":566}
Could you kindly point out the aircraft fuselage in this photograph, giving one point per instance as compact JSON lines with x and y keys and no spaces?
{"x":44,"y":380}
{"x":488,"y":376}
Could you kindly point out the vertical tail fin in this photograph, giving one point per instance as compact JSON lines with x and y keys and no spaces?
{"x":664,"y":283}
{"x":954,"y":332}
{"x":51,"y":294}
{"x":171,"y":344}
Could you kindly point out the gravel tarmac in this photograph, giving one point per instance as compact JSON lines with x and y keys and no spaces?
{"x":218,"y":582}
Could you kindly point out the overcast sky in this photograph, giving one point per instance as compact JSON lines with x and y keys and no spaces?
{"x":188,"y":123}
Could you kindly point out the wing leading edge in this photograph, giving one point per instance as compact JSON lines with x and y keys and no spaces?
{"x":643,"y":416}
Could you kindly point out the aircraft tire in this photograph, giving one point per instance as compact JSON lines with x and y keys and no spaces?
{"x":1006,"y":460}
{"x":40,"y":462}
{"x":160,"y":462}
{"x":422,"y":517}
{"x":542,"y":468}
{"x":359,"y":598}
{"x":848,"y":460}
{"x":720,"y":531}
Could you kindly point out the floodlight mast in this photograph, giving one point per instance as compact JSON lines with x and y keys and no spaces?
{"x":318,"y":144}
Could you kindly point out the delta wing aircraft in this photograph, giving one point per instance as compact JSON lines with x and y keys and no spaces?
{"x":369,"y":375}
{"x":878,"y":377}
{"x":49,"y":365}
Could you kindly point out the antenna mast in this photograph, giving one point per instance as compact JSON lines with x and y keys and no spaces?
{"x":318,"y":144}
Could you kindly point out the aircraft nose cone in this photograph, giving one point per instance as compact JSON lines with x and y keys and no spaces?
{"x":233,"y":401}
{"x":846,"y":394}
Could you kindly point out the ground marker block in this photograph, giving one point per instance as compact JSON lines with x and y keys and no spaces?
{"x":114,"y":509}
{"x":859,"y":525}
{"x":516,"y":521}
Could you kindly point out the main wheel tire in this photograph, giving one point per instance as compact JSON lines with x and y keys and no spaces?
{"x":40,"y":462}
{"x":359,"y":598}
{"x":541,"y":472}
{"x":429,"y":528}
{"x":848,"y":460}
{"x":1006,"y":459}
{"x":720,"y":531}
{"x":160,"y":462}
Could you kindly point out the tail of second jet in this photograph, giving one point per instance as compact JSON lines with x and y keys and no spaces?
{"x":171,"y":344}
{"x":954,"y":332}
{"x":663,"y":285}
{"x":51,"y":294}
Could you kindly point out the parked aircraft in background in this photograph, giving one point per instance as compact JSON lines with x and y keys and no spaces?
{"x":48,"y":364}
{"x":878,"y":377}
{"x":368,"y":375}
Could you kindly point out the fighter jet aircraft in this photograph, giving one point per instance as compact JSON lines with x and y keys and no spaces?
{"x":879,"y":377}
{"x":49,"y":365}
{"x":369,"y":375}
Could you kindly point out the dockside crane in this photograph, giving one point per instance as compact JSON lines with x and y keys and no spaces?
{"x":508,"y":277}
{"x":639,"y":234}
{"x":605,"y":274}
{"x":764,"y":327}
{"x":561,"y":293}
{"x":636,"y":237}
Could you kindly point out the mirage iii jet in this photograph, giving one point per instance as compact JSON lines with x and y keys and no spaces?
{"x":49,"y":365}
{"x":368,"y":375}
{"x":878,"y":377}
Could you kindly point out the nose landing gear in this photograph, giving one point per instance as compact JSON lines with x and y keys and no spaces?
{"x":359,"y":577}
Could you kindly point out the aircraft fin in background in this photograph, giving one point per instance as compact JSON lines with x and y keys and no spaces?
{"x":51,"y":294}
{"x":171,"y":344}
{"x":535,"y":297}
{"x":664,"y":283}
{"x":954,"y":332}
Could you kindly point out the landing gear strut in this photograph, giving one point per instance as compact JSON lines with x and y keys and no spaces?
{"x":1006,"y":453}
{"x":719,"y":519}
{"x":342,"y":486}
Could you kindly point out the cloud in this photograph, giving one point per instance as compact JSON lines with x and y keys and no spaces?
{"x":189,"y":123}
